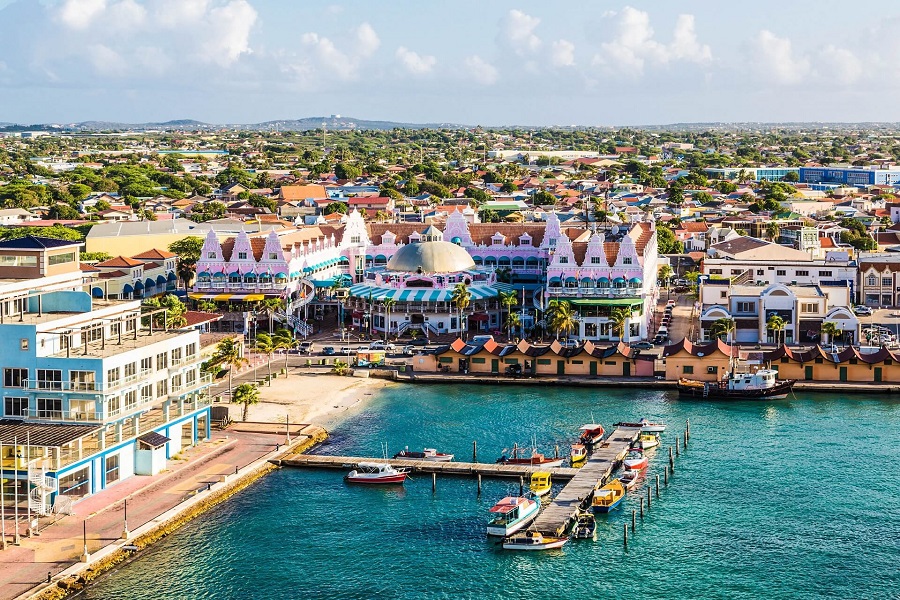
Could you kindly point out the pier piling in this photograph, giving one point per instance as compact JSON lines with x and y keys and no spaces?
{"x":642,"y":507}
{"x":625,"y":529}
{"x":479,"y":484}
{"x":657,"y":486}
{"x":666,"y":476}
{"x":649,"y":495}
{"x":521,"y":485}
{"x":474,"y":451}
{"x":687,"y":428}
{"x":685,"y":439}
{"x":677,"y":453}
{"x":633,"y":519}
{"x":433,"y":482}
{"x":671,"y":461}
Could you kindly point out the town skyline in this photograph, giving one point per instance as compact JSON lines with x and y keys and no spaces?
{"x":523,"y":63}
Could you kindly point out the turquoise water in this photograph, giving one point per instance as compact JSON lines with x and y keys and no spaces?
{"x":784,"y":499}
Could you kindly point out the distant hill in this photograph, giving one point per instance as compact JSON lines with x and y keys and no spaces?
{"x":334,"y":123}
{"x":339,"y":123}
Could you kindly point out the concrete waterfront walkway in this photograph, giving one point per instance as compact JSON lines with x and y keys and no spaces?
{"x":60,"y":541}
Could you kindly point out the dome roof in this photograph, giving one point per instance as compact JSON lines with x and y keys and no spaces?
{"x":431,"y":257}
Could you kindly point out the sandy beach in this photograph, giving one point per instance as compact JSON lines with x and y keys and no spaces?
{"x":314,"y":399}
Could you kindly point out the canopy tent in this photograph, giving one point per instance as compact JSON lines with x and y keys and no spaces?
{"x":478,"y":292}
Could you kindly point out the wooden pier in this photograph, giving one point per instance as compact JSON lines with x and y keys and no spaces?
{"x":579,"y":492}
{"x":424,"y":466}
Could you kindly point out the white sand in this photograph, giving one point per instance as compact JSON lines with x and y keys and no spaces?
{"x":313,"y":399}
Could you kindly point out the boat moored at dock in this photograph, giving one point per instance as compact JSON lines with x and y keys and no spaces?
{"x":630,"y":478}
{"x":635,"y":460}
{"x":648,"y":440}
{"x":578,"y":454}
{"x":541,"y":483}
{"x":536,"y":459}
{"x":512,"y":514}
{"x":376,"y":473}
{"x":592,"y":433}
{"x":585,"y":527}
{"x":763,"y":384}
{"x":532,"y":540}
{"x":645,"y":426}
{"x":608,"y":497}
{"x":429,"y":454}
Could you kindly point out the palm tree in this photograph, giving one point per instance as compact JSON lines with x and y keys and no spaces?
{"x":724,"y":326}
{"x":184,"y":269}
{"x":283,"y":339}
{"x":269,"y":306}
{"x":563,"y":317}
{"x":512,"y":321}
{"x":228,"y":352}
{"x":507,"y":301}
{"x":460,"y":299}
{"x":665,"y":273}
{"x":776,"y":325}
{"x":831,"y":330}
{"x":263,"y":343}
{"x":388,"y":304}
{"x":773,"y":230}
{"x":619,"y":318}
{"x":246,"y":394}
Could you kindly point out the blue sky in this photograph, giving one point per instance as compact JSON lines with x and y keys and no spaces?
{"x":486,"y":62}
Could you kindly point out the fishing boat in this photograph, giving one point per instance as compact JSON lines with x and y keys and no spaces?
{"x":429,"y":454}
{"x":648,"y":440}
{"x":635,"y":460}
{"x":592,"y":433}
{"x":763,"y":384}
{"x":585,"y":527}
{"x":645,"y":426}
{"x":512,"y":514}
{"x":540,"y":483}
{"x":532,"y":540}
{"x":373,"y":473}
{"x":536,"y":459}
{"x":608,"y":497}
{"x":578,"y":454}
{"x":630,"y":478}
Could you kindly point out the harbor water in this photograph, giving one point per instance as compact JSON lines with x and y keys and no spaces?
{"x":796,"y":498}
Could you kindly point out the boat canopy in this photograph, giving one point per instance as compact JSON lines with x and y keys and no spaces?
{"x":506,"y":505}
{"x":590,"y":427}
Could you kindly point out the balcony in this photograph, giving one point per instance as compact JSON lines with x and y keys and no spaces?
{"x":596,"y":292}
{"x":63,"y":386}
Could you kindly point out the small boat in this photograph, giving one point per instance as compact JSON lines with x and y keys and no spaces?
{"x":536,"y":459}
{"x":540,"y":483}
{"x":592,"y":433}
{"x":645,"y":425}
{"x":649,"y":440}
{"x":630,"y":478}
{"x":532,"y":540}
{"x":512,"y":514}
{"x":585,"y":527}
{"x":429,"y":454}
{"x":608,"y":497}
{"x":579,"y":454}
{"x":376,"y":473}
{"x":763,"y":384}
{"x":635,"y":460}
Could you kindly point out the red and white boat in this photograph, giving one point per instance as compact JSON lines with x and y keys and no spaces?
{"x":376,"y":473}
{"x":635,"y":460}
{"x":429,"y":454}
{"x":512,"y":514}
{"x":536,"y":459}
{"x":592,"y":433}
{"x":630,"y":478}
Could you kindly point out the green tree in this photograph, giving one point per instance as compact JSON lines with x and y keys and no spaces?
{"x":188,"y":250}
{"x":336,"y":207}
{"x":264,"y":344}
{"x":229,"y":353}
{"x":388,"y":304}
{"x":263,"y":202}
{"x":174,"y":317}
{"x":664,"y":273}
{"x":619,"y":319}
{"x":562,"y":317}
{"x":460,"y":298}
{"x":246,"y":394}
{"x":269,"y":307}
{"x":724,"y":326}
{"x":507,"y":301}
{"x":344,"y":170}
{"x":63,"y":212}
{"x":792,"y":176}
{"x":79,"y":191}
{"x":58,"y":232}
{"x":488,"y":215}
{"x":207,"y":211}
{"x":95,"y":256}
{"x":513,"y":321}
{"x":666,"y":242}
{"x":831,"y":331}
{"x":284,"y":340}
{"x":776,"y":325}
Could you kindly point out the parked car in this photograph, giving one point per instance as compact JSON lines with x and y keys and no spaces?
{"x":408,"y":350}
{"x":328,"y":351}
{"x":479,"y":340}
{"x":305,"y":347}
{"x":660,"y":339}
{"x":347,"y":350}
{"x":642,"y":345}
{"x":862,"y":310}
{"x":419,"y":342}
{"x":514,"y":369}
{"x":570,"y":343}
{"x":379,"y":345}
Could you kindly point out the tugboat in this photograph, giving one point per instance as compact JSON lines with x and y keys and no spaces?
{"x":738,"y":386}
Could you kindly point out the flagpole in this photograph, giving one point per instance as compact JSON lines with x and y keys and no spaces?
{"x":28,"y":481}
{"x":2,"y":502}
{"x":16,"y":491}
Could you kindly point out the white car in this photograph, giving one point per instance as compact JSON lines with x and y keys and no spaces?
{"x":862,"y":310}
{"x":379,"y":345}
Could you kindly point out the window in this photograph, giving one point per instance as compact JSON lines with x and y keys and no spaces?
{"x":190,"y":351}
{"x":477,"y":361}
{"x":113,"y":406}
{"x":112,"y":468}
{"x":626,"y":260}
{"x":146,"y":365}
{"x":49,"y":408}
{"x":712,"y":370}
{"x":147,"y":393}
{"x":824,"y":273}
{"x":162,"y":388}
{"x":760,"y":272}
{"x":15,"y":378}
{"x":273,"y":256}
{"x":871,"y":280}
{"x":723,"y":294}
{"x":49,"y":379}
{"x":176,"y":356}
{"x":130,"y":371}
{"x":59,"y":259}
{"x":595,"y":260}
{"x":715,"y":271}
{"x":191,"y":378}
{"x":112,"y":377}
{"x":563,"y":260}
{"x":242,"y":256}
{"x":354,"y":239}
{"x":83,"y":380}
{"x":746,"y":307}
{"x":18,"y":261}
{"x":176,"y":383}
{"x":802,"y":273}
{"x":543,"y":361}
{"x":15,"y":407}
{"x":688,"y":369}
{"x":211,"y":255}
{"x":886,"y":281}
{"x":115,"y":329}
{"x":780,"y":272}
{"x":809,"y":307}
{"x":130,"y":399}
{"x":77,"y":483}
{"x":130,"y":324}
{"x":162,"y":361}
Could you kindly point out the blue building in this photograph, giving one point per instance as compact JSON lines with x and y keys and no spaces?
{"x":94,"y":391}
{"x":852,"y":176}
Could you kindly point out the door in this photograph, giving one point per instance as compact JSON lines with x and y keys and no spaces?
{"x":495,"y":365}
{"x":843,"y":373}
{"x":808,"y":373}
{"x":626,"y":368}
{"x":560,"y":367}
{"x":593,"y":368}
{"x":878,"y":374}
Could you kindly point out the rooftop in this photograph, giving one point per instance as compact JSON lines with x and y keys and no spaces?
{"x":42,"y":434}
{"x":31,"y":242}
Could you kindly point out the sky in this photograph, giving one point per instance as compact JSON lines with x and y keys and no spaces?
{"x":485,"y":62}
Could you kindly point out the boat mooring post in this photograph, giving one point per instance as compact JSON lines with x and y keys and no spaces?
{"x":479,"y":484}
{"x":671,"y":460}
{"x":521,"y":485}
{"x":557,"y":452}
{"x":676,"y":447}
{"x":474,"y":451}
{"x":657,"y":486}
{"x":666,"y":476}
{"x":633,"y":519}
{"x":642,"y":507}
{"x":687,"y":428}
{"x":649,"y":494}
{"x":625,"y":529}
{"x":685,"y":439}
{"x":433,"y":482}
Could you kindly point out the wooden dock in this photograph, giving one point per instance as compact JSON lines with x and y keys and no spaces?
{"x":424,"y":466}
{"x":579,"y":492}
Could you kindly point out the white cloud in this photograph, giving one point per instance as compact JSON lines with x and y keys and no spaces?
{"x":230,"y":24}
{"x":562,"y":53}
{"x":106,"y":60}
{"x":78,"y":14}
{"x":634,"y":45}
{"x":839,"y":64}
{"x":344,"y":63}
{"x":480,"y":70}
{"x":414,"y":62}
{"x":774,"y":59}
{"x":518,"y":31}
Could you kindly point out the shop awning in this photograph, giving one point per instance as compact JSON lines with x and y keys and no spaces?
{"x":604,"y":302}
{"x":227,"y":297}
{"x":418,"y":295}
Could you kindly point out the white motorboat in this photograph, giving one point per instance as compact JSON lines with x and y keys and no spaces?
{"x":532,"y":540}
{"x":512,"y":514}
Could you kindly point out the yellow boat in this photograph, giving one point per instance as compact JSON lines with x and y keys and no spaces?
{"x":608,"y":497}
{"x":540,"y":483}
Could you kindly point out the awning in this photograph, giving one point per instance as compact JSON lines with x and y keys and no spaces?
{"x":227,"y":297}
{"x":417,"y":294}
{"x":604,"y":302}
{"x":479,"y":317}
